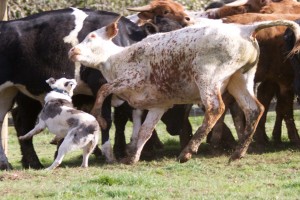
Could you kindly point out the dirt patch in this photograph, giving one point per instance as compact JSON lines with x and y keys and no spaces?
{"x":16,"y":175}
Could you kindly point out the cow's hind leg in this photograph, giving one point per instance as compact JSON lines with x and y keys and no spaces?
{"x":145,"y":132}
{"x":284,"y":110}
{"x":242,"y":91}
{"x":214,"y":108}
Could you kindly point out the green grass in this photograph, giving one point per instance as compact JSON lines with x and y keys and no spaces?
{"x":274,"y":174}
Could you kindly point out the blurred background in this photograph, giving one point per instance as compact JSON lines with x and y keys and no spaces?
{"x":22,"y":8}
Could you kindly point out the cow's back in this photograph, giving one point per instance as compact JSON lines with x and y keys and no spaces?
{"x":34,"y":48}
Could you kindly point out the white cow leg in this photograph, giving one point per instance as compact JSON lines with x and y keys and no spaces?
{"x":6,"y":102}
{"x":241,"y":87}
{"x":137,"y":123}
{"x":145,"y":132}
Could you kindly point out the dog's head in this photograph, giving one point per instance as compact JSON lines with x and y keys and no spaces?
{"x":62,"y":85}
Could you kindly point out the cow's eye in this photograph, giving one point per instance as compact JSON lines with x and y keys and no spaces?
{"x":166,"y":12}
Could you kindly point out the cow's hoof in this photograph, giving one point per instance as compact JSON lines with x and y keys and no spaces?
{"x":128,"y":161}
{"x":184,"y":157}
{"x":235,"y":156}
{"x":5,"y":166}
{"x":34,"y":164}
{"x":130,"y":149}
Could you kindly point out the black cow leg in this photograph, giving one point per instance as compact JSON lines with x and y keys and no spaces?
{"x":187,"y":131}
{"x":121,"y":116}
{"x":106,"y":113}
{"x":24,"y":118}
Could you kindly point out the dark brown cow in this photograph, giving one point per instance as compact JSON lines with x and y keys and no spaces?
{"x":255,"y":6}
{"x":275,"y":74}
{"x":162,"y":8}
{"x":269,"y":86}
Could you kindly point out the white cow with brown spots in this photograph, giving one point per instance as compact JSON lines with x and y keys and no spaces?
{"x":195,"y":64}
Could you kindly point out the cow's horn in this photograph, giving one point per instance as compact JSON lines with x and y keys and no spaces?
{"x":237,"y":3}
{"x":117,"y":19}
{"x":140,"y":9}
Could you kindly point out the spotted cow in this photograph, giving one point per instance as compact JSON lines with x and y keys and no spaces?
{"x":191,"y":65}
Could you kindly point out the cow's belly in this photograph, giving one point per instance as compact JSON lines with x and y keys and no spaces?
{"x":149,"y":97}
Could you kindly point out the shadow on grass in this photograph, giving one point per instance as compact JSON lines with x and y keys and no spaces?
{"x":172,"y":149}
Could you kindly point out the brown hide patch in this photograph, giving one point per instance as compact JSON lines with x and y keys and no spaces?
{"x":169,"y":74}
{"x":111,"y":30}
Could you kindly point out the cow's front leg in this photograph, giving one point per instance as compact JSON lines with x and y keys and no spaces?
{"x":103,"y":92}
{"x":24,"y":117}
{"x":152,"y":118}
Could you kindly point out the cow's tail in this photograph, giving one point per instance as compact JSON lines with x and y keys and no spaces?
{"x":290,"y":24}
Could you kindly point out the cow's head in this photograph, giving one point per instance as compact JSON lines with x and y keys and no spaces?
{"x":161,"y":25}
{"x":97,"y":47}
{"x":62,"y":85}
{"x":165,"y":9}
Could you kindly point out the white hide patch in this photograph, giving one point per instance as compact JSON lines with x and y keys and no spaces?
{"x":5,"y":85}
{"x":72,"y":39}
{"x":24,"y":90}
{"x":116,"y":101}
{"x":79,"y":19}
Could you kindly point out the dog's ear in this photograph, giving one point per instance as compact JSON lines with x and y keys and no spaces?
{"x":50,"y":81}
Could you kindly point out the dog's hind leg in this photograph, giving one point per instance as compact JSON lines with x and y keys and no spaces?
{"x":87,"y":150}
{"x":66,"y":146}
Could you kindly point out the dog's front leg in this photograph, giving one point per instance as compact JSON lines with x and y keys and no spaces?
{"x":36,"y":130}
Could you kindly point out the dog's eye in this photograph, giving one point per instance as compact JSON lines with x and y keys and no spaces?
{"x":69,"y":83}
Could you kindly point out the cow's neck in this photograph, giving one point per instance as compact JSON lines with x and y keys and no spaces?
{"x":110,"y":50}
{"x":106,"y":61}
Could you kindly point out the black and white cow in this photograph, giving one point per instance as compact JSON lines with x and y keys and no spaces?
{"x":35,"y":48}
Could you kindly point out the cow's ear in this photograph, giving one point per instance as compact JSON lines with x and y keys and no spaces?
{"x":112,"y":29}
{"x":151,"y":28}
{"x":145,"y":15}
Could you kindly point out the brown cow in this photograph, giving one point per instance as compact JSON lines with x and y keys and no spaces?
{"x":162,"y":8}
{"x":275,"y":73}
{"x":269,"y":86}
{"x":255,"y":6}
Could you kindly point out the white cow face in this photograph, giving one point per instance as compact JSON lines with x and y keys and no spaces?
{"x":97,"y":46}
{"x":62,"y":84}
